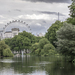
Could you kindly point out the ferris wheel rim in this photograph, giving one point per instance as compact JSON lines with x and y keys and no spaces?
{"x":13,"y":21}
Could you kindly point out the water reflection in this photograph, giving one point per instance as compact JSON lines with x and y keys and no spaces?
{"x":35,"y":66}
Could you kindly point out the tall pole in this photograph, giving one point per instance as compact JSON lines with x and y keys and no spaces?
{"x":58,"y":16}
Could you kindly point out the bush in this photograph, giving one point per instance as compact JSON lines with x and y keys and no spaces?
{"x":4,"y":49}
{"x":43,"y":42}
{"x":37,"y":52}
{"x":7,"y":52}
{"x":48,"y":48}
{"x":43,"y":48}
{"x":34,"y":47}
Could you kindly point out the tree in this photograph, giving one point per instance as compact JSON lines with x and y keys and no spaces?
{"x":66,"y":40}
{"x":26,"y":44}
{"x":71,"y":20}
{"x":72,"y":9}
{"x":37,"y":48}
{"x":29,"y":36}
{"x":48,"y":49}
{"x":51,"y":32}
{"x":4,"y":49}
{"x":7,"y":53}
{"x":43,"y":48}
{"x":72,"y":13}
{"x":21,"y":41}
{"x":38,"y":38}
{"x":0,"y":39}
{"x":34,"y":47}
{"x":42,"y":42}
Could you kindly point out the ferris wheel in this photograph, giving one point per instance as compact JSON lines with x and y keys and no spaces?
{"x":17,"y":24}
{"x":17,"y":21}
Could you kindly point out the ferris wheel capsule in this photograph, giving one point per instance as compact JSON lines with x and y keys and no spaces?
{"x":24,"y":22}
{"x":5,"y":25}
{"x":15,"y":20}
{"x":18,"y":20}
{"x":21,"y":21}
{"x":10,"y":22}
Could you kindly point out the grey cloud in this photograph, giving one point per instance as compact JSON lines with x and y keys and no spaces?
{"x":50,"y":1}
{"x":18,"y":10}
{"x":54,"y":13}
{"x":38,"y":29}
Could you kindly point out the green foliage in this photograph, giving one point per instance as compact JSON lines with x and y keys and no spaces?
{"x":34,"y":47}
{"x":71,"y":21}
{"x":66,"y":40}
{"x":72,"y":9}
{"x":37,"y":52}
{"x":29,"y":36}
{"x":38,"y":39}
{"x":51,"y":32}
{"x":7,"y":52}
{"x":43,"y":48}
{"x":42,"y":42}
{"x":72,"y":13}
{"x":4,"y":49}
{"x":22,"y":41}
{"x":48,"y":46}
{"x":0,"y":39}
{"x":49,"y":49}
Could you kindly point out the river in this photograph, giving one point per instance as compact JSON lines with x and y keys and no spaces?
{"x":33,"y":65}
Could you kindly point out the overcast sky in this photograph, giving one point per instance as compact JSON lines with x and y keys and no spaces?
{"x":38,"y":14}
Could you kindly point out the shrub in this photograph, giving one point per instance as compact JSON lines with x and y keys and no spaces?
{"x":2,"y":47}
{"x":34,"y":47}
{"x":42,"y":42}
{"x":48,"y":48}
{"x":7,"y":52}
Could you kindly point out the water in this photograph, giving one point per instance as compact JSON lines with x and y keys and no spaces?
{"x":22,"y":53}
{"x":35,"y":66}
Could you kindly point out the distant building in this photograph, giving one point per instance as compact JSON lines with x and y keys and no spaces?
{"x":40,"y":35}
{"x":9,"y":34}
{"x":15,"y":31}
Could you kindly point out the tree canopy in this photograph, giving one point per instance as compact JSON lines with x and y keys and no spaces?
{"x":66,"y":40}
{"x":22,"y":41}
{"x":51,"y":32}
{"x":43,"y":48}
{"x":71,"y":19}
{"x":4,"y":49}
{"x":72,"y":9}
